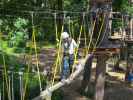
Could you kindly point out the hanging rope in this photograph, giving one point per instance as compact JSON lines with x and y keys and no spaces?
{"x":79,"y":38}
{"x":28,"y":70}
{"x":58,"y":62}
{"x":35,"y":46}
{"x":100,"y":31}
{"x":91,"y":37}
{"x":5,"y":71}
{"x":56,"y":31}
{"x":6,"y":78}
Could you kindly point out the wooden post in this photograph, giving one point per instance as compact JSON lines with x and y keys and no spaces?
{"x":86,"y":75}
{"x":100,"y":77}
{"x":103,"y":7}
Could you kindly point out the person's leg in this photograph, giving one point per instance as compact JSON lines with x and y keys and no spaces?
{"x":71,"y":62}
{"x":65,"y":70}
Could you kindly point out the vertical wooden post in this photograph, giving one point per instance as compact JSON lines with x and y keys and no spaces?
{"x":100,"y":77}
{"x":103,"y":14}
{"x":87,"y":75}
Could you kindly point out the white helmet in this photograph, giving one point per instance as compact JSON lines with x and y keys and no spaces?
{"x":64,"y":35}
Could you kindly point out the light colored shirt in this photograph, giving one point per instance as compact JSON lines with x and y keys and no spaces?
{"x":70,"y":47}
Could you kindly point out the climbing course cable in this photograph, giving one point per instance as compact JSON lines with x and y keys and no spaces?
{"x":36,"y":54}
{"x":99,"y":34}
{"x":91,"y":37}
{"x":28,"y":65}
{"x":55,"y":23}
{"x":6,"y":78}
{"x":58,"y":58}
{"x":79,"y":38}
{"x":104,"y":33}
{"x":5,"y":74}
{"x":57,"y":39}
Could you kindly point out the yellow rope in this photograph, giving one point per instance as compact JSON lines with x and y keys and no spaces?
{"x":27,"y":77}
{"x":58,"y":58}
{"x":5,"y":71}
{"x":56,"y":32}
{"x":6,"y":78}
{"x":37,"y":61}
{"x":75,"y":54}
{"x":100,"y":31}
{"x":91,"y":37}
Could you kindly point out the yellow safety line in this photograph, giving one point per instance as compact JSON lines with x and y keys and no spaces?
{"x":27,"y":76}
{"x":92,"y":32}
{"x":6,"y":78}
{"x":37,"y":61}
{"x":75,"y":54}
{"x":58,"y":58}
{"x":100,"y":31}
{"x":5,"y":72}
{"x":57,"y":40}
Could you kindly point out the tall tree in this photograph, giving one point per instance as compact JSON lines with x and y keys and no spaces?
{"x":60,"y":15}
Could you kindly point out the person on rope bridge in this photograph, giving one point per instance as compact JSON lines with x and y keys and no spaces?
{"x":68,"y":48}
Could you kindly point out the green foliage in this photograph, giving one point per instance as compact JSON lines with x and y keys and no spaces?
{"x":19,"y":36}
{"x":123,"y":6}
{"x":116,"y":24}
{"x":57,"y":95}
{"x":33,"y":88}
{"x":75,"y":5}
{"x":20,"y":23}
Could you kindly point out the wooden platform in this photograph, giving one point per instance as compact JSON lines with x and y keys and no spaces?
{"x":106,"y":51}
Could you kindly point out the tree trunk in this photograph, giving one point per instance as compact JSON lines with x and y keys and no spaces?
{"x":60,"y":15}
{"x":87,"y":75}
{"x":100,"y":77}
